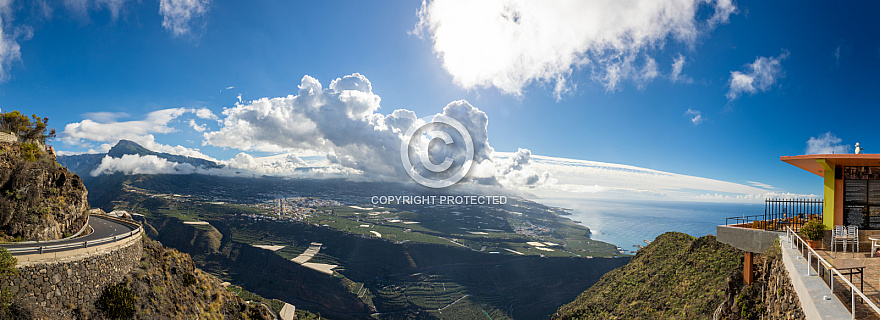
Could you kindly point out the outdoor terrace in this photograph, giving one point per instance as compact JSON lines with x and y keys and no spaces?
{"x":783,"y":218}
{"x":871,"y":283}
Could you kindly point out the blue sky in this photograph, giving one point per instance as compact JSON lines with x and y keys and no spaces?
{"x":814,"y":73}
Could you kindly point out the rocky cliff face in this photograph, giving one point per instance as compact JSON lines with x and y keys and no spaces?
{"x":39,"y":198}
{"x":770,"y":296}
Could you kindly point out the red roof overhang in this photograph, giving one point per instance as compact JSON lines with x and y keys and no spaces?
{"x":813,"y":162}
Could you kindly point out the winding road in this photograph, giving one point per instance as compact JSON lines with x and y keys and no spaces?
{"x":104,"y":229}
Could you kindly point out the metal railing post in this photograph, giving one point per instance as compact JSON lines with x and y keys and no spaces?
{"x":809,"y":262}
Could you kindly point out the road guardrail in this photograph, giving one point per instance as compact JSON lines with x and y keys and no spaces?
{"x":40,"y":249}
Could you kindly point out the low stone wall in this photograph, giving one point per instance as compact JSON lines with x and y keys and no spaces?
{"x":78,"y":282}
{"x":8,"y":138}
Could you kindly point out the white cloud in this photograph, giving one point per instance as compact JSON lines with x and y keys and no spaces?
{"x":243,"y":165}
{"x":339,"y":122}
{"x":647,"y":73}
{"x":695,"y":116}
{"x":760,"y":185}
{"x":154,"y":122}
{"x":723,"y":10}
{"x":825,"y":144}
{"x":759,"y":76}
{"x":677,"y":66}
{"x":137,"y":164}
{"x":508,"y":45}
{"x":104,"y":116}
{"x":196,"y":126}
{"x":205,"y":113}
{"x":582,"y":179}
{"x":517,"y":172}
{"x":284,"y":164}
{"x":62,"y":153}
{"x":181,"y":16}
{"x":10,"y":50}
{"x":342,"y":123}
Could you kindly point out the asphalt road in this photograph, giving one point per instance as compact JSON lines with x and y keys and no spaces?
{"x":103,"y":228}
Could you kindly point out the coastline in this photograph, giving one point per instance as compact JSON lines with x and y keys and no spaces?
{"x":628,"y":224}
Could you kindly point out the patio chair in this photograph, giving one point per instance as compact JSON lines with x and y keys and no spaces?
{"x":838,"y":236}
{"x":852,"y":231}
{"x":875,"y":243}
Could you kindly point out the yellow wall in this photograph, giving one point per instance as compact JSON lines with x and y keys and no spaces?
{"x":828,"y":203}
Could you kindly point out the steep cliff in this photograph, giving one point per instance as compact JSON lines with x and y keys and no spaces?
{"x":675,"y":277}
{"x":680,"y":277}
{"x":770,"y":296}
{"x":168,"y":285}
{"x":39,"y":198}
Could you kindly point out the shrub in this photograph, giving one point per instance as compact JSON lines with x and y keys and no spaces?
{"x":814,"y":230}
{"x":30,"y":151}
{"x":117,"y":302}
{"x":7,"y":269}
{"x":189,"y":279}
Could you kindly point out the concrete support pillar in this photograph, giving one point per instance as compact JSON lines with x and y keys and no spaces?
{"x":748,"y":268}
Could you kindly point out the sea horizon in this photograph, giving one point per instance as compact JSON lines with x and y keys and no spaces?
{"x":628,"y":223}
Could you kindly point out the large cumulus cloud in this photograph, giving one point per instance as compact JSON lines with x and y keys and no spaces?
{"x":137,"y":164}
{"x":342,"y":122}
{"x":510,"y":44}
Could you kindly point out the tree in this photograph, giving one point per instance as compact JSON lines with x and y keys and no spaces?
{"x":27,"y":129}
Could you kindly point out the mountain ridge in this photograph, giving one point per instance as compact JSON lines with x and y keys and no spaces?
{"x":84,"y":164}
{"x":124,"y":147}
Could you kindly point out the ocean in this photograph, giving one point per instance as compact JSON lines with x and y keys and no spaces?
{"x":629,"y":223}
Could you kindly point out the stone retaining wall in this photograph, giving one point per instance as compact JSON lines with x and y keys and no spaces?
{"x":78,"y":282}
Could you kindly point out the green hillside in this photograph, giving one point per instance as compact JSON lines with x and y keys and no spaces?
{"x":675,"y":277}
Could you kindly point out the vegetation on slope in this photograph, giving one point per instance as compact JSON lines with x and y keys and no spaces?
{"x":167,"y":285}
{"x":7,"y":269}
{"x":675,"y":277}
{"x":39,"y":199}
